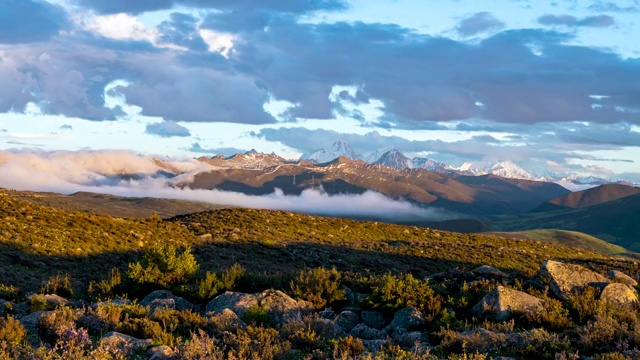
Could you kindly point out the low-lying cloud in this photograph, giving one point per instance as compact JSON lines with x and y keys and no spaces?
{"x":123,"y":173}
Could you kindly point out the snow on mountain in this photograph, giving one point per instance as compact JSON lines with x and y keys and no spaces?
{"x":505,"y":169}
{"x":429,"y":164}
{"x":339,"y":148}
{"x":376,"y":155}
{"x":394,"y":159}
{"x":251,"y":160}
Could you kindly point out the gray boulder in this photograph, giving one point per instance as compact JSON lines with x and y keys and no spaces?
{"x":237,"y":302}
{"x":347,"y":320}
{"x":327,"y":313}
{"x":620,"y":277}
{"x":125,"y":342}
{"x":486,"y":270}
{"x":500,"y":304}
{"x":408,"y":318}
{"x":364,"y":332}
{"x":409,"y":339}
{"x":6,"y":306}
{"x":162,"y":352}
{"x":281,"y":308}
{"x":164,"y":299}
{"x":617,"y":293}
{"x":373,"y":319}
{"x":565,"y":279}
{"x":227,"y":320}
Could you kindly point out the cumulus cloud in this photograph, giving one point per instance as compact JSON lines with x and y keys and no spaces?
{"x":199,"y":149}
{"x":126,"y":174}
{"x":167,"y":129}
{"x":478,"y":23}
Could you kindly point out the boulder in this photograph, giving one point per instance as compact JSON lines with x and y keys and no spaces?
{"x":327,"y":313}
{"x":54,"y":301}
{"x":125,"y":342}
{"x":373,"y":319}
{"x":31,"y":321}
{"x":364,"y":332}
{"x":408,"y":318}
{"x":281,"y":308}
{"x":500,"y":303}
{"x":617,"y":293}
{"x":350,"y":295}
{"x":164,"y":299}
{"x":565,"y":279}
{"x":620,"y":277}
{"x":227,"y":320}
{"x":237,"y":302}
{"x":374,"y":346}
{"x":6,"y":306}
{"x":162,"y":352}
{"x":409,"y":339}
{"x":347,"y":320}
{"x":486,"y":270}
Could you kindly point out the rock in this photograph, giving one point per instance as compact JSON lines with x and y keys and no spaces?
{"x":374,"y":346}
{"x":619,"y":294}
{"x":6,"y":306}
{"x":281,"y":308}
{"x":115,"y":301}
{"x":350,"y":295}
{"x":227,"y":320}
{"x":54,"y":301}
{"x":620,"y":277}
{"x":30,"y":321}
{"x":164,"y":299}
{"x":565,"y":279}
{"x":373,"y":319}
{"x":237,"y":302}
{"x":364,"y":332}
{"x":500,"y":303}
{"x":327,"y":313}
{"x":347,"y":320}
{"x":408,"y":318}
{"x":125,"y":342}
{"x":162,"y":352}
{"x":408,"y":339}
{"x":486,"y":270}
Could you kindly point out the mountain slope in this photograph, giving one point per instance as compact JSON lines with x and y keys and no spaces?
{"x":593,"y":196}
{"x":339,"y":148}
{"x":394,"y":159}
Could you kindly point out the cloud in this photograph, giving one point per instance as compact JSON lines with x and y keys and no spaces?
{"x":125,"y":174}
{"x":601,"y":6}
{"x":478,"y":23}
{"x":572,"y":21}
{"x":30,"y":21}
{"x":167,"y":129}
{"x":226,"y":151}
{"x":66,"y":127}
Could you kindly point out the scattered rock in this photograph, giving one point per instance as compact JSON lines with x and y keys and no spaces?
{"x":30,"y":321}
{"x":164,"y":299}
{"x":227,"y":320}
{"x":162,"y":352}
{"x":500,"y":303}
{"x":350,"y":295}
{"x":125,"y":342}
{"x":54,"y":301}
{"x":373,"y":319}
{"x":486,"y":270}
{"x":327,"y":313}
{"x":565,"y":279}
{"x":408,"y":318}
{"x":364,"y":332}
{"x":237,"y":302}
{"x":374,"y":346}
{"x":347,"y":320}
{"x":409,"y":339}
{"x":620,"y":277}
{"x":6,"y":306}
{"x":619,"y":294}
{"x":281,"y":308}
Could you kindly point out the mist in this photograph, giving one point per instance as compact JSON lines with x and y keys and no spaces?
{"x":124,"y":173}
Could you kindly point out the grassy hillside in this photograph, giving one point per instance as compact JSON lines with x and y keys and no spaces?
{"x":564,"y":237}
{"x":594,"y":196}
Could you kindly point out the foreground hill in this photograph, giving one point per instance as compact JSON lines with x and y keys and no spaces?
{"x":593,"y":196}
{"x":571,"y":238}
{"x":615,"y":221}
{"x":474,"y":195}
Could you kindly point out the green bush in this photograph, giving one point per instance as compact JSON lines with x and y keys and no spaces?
{"x":59,"y":285}
{"x":105,"y":288}
{"x":257,"y":315}
{"x":163,"y":266}
{"x":318,"y":286}
{"x":394,"y":293}
{"x":11,"y":331}
{"x":210,"y":286}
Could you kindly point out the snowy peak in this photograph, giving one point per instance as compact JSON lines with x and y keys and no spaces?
{"x":339,"y":148}
{"x":506,"y":169}
{"x":251,"y":160}
{"x":394,"y":159}
{"x":429,"y":164}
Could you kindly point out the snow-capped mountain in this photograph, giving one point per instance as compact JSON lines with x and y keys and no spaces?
{"x":339,"y":148}
{"x":251,"y":160}
{"x":394,"y":159}
{"x":429,"y":164}
{"x":502,"y":168}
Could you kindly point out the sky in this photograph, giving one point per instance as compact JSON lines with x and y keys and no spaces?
{"x":550,"y":85}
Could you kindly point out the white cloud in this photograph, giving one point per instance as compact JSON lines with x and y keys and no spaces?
{"x":218,"y":42}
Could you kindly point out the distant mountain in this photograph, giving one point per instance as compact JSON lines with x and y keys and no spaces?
{"x":339,"y":148}
{"x":394,"y":159}
{"x":251,"y":160}
{"x":430,"y":164}
{"x":593,"y":196}
{"x":505,"y":169}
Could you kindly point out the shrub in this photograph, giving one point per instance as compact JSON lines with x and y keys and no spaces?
{"x":51,"y":326}
{"x":11,"y":331}
{"x":9,"y":292}
{"x":347,"y":348}
{"x":59,"y":285}
{"x":37,"y":302}
{"x":552,"y":315}
{"x":256,"y":343}
{"x":231,"y":276}
{"x":318,"y":286}
{"x":200,"y":346}
{"x":163,"y":266}
{"x":210,"y":286}
{"x":105,"y":288}
{"x":393,"y":294}
{"x":586,"y":305}
{"x":257,"y":315}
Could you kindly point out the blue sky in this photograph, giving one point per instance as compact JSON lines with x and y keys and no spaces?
{"x":553,"y":84}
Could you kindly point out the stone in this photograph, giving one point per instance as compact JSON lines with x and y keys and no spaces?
{"x":6,"y":306}
{"x":162,"y":352}
{"x":227,"y":320}
{"x":565,"y":279}
{"x":374,"y":346}
{"x":409,"y":339}
{"x":164,"y":299}
{"x":350,"y":295}
{"x":620,"y":277}
{"x":500,"y":304}
{"x":617,"y":293}
{"x":54,"y":301}
{"x":347,"y":320}
{"x":408,"y":318}
{"x":237,"y":302}
{"x":327,"y":313}
{"x":281,"y":308}
{"x":125,"y":342}
{"x":364,"y":332}
{"x":486,"y":270}
{"x":373,"y":319}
